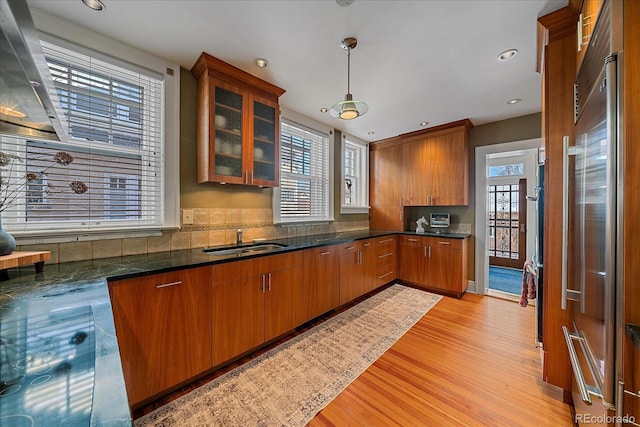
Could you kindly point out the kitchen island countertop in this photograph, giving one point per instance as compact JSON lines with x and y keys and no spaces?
{"x":58,"y":336}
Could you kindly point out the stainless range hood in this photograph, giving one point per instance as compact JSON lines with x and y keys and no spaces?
{"x":27,"y":107}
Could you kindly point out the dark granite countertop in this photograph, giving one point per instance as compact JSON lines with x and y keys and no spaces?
{"x":634,"y":333}
{"x":59,"y":356}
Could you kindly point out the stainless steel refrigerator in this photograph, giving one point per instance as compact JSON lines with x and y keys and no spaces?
{"x":591,"y":214}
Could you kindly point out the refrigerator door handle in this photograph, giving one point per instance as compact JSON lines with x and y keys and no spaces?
{"x":567,"y":294}
{"x":585,"y":389}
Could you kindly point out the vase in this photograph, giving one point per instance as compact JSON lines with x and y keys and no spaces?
{"x":7,"y":242}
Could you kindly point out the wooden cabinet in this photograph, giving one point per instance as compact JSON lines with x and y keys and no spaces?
{"x":385,"y":185}
{"x":255,"y":301}
{"x":352,"y":271}
{"x":414,"y":260}
{"x":238,"y":125}
{"x":385,"y":260}
{"x":321,"y":280}
{"x":435,"y":263}
{"x":163,"y":326}
{"x":586,"y":22}
{"x":436,"y":166}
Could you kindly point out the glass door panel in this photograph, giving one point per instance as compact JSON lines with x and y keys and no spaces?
{"x":228,"y":133}
{"x":264,"y":142}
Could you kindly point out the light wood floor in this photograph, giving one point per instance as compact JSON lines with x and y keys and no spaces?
{"x":468,"y":362}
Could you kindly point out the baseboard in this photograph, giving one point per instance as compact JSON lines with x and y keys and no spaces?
{"x":471,"y":287}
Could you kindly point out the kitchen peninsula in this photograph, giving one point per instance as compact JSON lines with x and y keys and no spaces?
{"x":75,"y":298}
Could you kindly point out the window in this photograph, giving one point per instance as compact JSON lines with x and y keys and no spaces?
{"x":113,"y":177}
{"x":511,"y":169}
{"x":355,"y":179}
{"x":304,"y":193}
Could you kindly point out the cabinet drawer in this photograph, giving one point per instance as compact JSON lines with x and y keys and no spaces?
{"x":413,"y":240}
{"x":446,"y":243}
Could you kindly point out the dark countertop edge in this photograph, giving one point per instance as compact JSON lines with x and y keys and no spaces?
{"x":292,"y":244}
{"x":634,"y":333}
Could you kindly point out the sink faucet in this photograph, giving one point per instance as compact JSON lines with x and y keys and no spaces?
{"x":239,"y":236}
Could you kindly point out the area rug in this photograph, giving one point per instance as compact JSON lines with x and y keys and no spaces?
{"x":289,"y":384}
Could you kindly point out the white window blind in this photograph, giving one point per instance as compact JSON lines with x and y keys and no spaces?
{"x":304,"y":174}
{"x":114,"y":120}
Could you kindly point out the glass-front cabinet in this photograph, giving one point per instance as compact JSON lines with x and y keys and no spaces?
{"x":238,"y":125}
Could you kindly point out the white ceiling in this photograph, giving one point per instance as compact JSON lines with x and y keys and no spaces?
{"x":432,"y":60}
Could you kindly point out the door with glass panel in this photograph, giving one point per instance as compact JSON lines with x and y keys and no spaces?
{"x":507,"y":219}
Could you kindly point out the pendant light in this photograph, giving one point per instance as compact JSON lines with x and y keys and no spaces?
{"x":349,"y":109}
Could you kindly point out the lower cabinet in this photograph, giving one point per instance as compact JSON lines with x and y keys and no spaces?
{"x":352,"y":271}
{"x":163,"y":326}
{"x":321,"y":280}
{"x":255,"y":301}
{"x":435,"y":263}
{"x":385,"y":259}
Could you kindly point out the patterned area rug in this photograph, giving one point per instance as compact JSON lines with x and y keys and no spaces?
{"x":291,"y":383}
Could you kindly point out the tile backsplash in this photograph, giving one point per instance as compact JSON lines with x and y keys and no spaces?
{"x":211,"y":227}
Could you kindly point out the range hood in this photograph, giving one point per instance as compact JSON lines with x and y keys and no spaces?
{"x":28,"y":103}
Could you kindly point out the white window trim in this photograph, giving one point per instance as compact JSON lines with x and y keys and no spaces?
{"x":315,"y":125}
{"x":60,"y":28}
{"x":364,"y":167}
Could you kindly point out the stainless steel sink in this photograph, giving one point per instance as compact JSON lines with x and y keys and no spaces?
{"x":245,"y":250}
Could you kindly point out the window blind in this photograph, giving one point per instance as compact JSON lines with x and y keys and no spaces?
{"x":304,"y":174}
{"x":109,"y":173}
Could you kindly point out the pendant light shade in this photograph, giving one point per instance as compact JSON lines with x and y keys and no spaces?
{"x":349,"y":109}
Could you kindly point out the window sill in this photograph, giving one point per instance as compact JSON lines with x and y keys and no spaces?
{"x":354,"y":209}
{"x":66,"y":236}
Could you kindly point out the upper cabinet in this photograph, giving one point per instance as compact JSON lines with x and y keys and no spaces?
{"x":238,"y":125}
{"x":586,"y":22}
{"x":436,"y":166}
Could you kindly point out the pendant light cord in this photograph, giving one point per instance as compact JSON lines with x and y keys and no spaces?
{"x":349,"y":70}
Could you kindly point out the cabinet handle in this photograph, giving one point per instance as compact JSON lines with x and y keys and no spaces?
{"x":444,"y":243}
{"x":166,"y":285}
{"x":325,"y":253}
{"x":269,"y":282}
{"x":385,"y":241}
{"x":367,"y":244}
{"x":412,"y":240}
{"x":359,"y":257}
{"x":385,"y":255}
{"x":385,"y":275}
{"x":350,"y":248}
{"x":263,"y":284}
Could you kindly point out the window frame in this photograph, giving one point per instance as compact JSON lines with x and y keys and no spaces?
{"x":362,"y":165}
{"x":294,"y":118}
{"x":57,"y":31}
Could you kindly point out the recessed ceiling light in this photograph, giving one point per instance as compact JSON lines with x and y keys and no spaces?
{"x":424,"y":123}
{"x":514,"y":101}
{"x":344,"y":3}
{"x":261,"y":62}
{"x":371,"y":132}
{"x":507,"y":54}
{"x":94,"y":4}
{"x":324,"y":110}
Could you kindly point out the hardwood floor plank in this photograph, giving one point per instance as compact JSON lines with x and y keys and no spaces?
{"x":467,"y":362}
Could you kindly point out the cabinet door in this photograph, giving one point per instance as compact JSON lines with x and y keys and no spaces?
{"x":321,"y":280}
{"x":228,"y":136}
{"x":385,"y":178}
{"x":450,"y":169}
{"x":238,"y":317}
{"x":414,"y":260}
{"x":264,"y":154}
{"x":283,"y":301}
{"x":416,"y":172}
{"x":351,"y":272}
{"x":368,"y":259}
{"x":448,"y":265}
{"x":163,"y":326}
